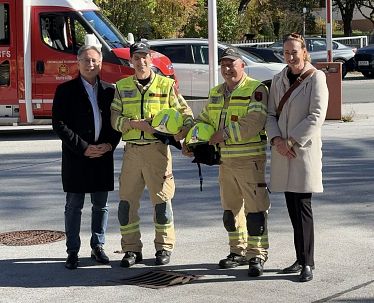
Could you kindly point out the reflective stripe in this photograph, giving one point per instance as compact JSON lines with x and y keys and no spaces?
{"x":258,"y":241}
{"x":116,"y":104}
{"x":235,"y":132}
{"x":130,"y":228}
{"x":237,"y":235}
{"x":257,"y":107}
{"x":163,"y":227}
{"x":241,"y":104}
{"x":188,"y":121}
{"x":149,"y":101}
{"x":230,"y":151}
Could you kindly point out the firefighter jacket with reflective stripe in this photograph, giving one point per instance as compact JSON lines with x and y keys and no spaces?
{"x":132,"y":104}
{"x":227,"y":115}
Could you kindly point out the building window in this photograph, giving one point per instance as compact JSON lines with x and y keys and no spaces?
{"x":4,"y":24}
{"x":4,"y":73}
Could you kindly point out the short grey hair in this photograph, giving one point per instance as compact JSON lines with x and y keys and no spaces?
{"x":84,"y":48}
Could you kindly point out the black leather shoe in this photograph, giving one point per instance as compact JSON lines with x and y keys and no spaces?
{"x":306,"y":274}
{"x":294,"y":268}
{"x":130,"y":258}
{"x":162,"y":257}
{"x":233,"y":260}
{"x":72,"y":261}
{"x":99,"y":255}
{"x":256,"y":267}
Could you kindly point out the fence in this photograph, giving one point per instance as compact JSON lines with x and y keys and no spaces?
{"x":355,"y":41}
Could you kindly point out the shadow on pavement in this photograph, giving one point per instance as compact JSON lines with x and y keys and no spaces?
{"x":50,"y":272}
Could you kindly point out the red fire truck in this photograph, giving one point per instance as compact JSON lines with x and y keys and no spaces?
{"x":39,"y":40}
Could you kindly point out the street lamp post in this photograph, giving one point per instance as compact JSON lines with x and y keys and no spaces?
{"x":304,"y":13}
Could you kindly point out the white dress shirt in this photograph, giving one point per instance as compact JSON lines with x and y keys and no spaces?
{"x":92,"y":95}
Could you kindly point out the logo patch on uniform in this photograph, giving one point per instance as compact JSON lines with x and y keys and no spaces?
{"x":234,"y":118}
{"x":258,"y":96}
{"x":128,"y":93}
{"x":214,"y":100}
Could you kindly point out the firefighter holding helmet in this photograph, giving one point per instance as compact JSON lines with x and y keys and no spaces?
{"x":237,"y":112}
{"x":151,"y":115}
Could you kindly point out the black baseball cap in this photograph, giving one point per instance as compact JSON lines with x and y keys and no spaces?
{"x":139,"y":47}
{"x":230,"y":53}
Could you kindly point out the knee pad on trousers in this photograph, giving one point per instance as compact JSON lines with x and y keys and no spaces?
{"x":229,"y":220}
{"x":256,"y":223}
{"x":123,"y":212}
{"x":163,"y":213}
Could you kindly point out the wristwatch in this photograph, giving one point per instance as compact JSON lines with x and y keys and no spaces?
{"x":290,"y":143}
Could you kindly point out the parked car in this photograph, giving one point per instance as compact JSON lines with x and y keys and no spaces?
{"x":317,"y":49}
{"x":364,"y":58}
{"x":266,"y":54}
{"x":190,"y":58}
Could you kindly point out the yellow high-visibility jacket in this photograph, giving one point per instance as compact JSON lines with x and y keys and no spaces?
{"x":240,"y":105}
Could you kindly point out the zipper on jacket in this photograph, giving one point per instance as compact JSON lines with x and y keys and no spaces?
{"x":142,"y":115}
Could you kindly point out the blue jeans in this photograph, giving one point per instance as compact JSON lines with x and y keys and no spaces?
{"x":73,"y":213}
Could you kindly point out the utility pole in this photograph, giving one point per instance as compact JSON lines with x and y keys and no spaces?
{"x":304,"y":15}
{"x":329,"y":29}
{"x":213,"y":43}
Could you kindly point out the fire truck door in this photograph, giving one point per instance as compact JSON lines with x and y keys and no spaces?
{"x":8,"y":61}
{"x":53,"y":57}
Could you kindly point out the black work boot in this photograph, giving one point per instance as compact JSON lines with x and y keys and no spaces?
{"x":72,"y":260}
{"x":130,"y":258}
{"x":256,"y":267}
{"x":162,"y":257}
{"x":99,"y":255}
{"x":233,"y":260}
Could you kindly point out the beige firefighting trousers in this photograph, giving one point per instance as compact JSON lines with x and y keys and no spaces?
{"x":243,"y":196}
{"x":149,"y":165}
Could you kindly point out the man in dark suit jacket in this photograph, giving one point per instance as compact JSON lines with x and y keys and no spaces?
{"x":81,"y":118}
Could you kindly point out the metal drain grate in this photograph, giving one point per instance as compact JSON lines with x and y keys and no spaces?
{"x":159,"y":279}
{"x":30,"y":237}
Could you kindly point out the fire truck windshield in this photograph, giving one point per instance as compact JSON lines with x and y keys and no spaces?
{"x":105,"y":29}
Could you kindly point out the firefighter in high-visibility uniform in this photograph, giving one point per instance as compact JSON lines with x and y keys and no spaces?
{"x":237,"y":110}
{"x":147,"y":160}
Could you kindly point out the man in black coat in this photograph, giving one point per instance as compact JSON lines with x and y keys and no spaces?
{"x":81,"y":118}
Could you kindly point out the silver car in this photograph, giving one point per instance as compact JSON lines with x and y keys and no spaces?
{"x":190,"y":58}
{"x":317,"y":49}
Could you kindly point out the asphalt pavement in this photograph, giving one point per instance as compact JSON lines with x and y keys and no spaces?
{"x":31,"y":198}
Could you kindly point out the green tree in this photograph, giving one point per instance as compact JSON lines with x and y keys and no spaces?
{"x":276,"y":18}
{"x":129,"y":15}
{"x":346,"y":8}
{"x":229,"y":25}
{"x":170,"y":16}
{"x":149,"y":18}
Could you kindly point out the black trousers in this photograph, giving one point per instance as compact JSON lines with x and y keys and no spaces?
{"x":299,"y":207}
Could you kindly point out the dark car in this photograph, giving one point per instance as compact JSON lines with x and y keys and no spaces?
{"x":266,"y":54}
{"x":364,"y":58}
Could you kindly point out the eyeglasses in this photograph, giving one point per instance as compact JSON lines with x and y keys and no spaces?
{"x":89,"y":61}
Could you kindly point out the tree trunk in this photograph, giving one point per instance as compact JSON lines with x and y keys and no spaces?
{"x":347,"y":26}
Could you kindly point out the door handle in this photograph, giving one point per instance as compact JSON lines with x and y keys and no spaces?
{"x":39,"y":67}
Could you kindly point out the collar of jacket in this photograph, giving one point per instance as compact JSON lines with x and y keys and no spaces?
{"x":284,"y":72}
